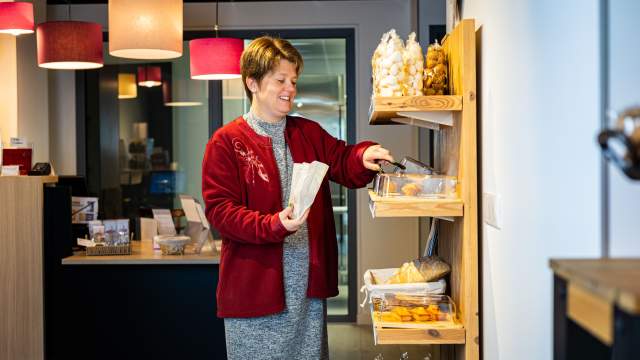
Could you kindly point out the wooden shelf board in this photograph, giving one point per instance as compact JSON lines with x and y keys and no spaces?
{"x":418,"y":334}
{"x":424,"y":111}
{"x":410,"y":207}
{"x":388,"y":336}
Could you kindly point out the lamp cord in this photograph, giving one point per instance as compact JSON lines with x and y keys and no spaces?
{"x":216,"y":25}
{"x":68,"y":10}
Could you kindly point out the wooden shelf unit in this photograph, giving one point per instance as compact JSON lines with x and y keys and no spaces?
{"x":456,"y":148}
{"x":406,"y":206}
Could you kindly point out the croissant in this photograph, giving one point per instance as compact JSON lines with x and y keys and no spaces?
{"x":408,"y":273}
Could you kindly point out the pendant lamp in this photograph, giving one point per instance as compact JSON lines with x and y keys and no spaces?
{"x":149,"y":76}
{"x":183,"y":92}
{"x":16,"y":18}
{"x":127,"y":88}
{"x":69,"y":45}
{"x":145,"y":29}
{"x":215,"y":58}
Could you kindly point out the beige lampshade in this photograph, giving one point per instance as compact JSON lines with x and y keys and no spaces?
{"x":184,"y":92}
{"x":145,"y":29}
{"x":127,"y":87}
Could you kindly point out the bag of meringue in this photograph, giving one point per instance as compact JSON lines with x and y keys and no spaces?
{"x":388,"y":74}
{"x":435,"y":74}
{"x":413,"y":66}
{"x":375,"y":62}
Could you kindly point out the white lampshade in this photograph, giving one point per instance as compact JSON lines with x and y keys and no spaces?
{"x":184,"y":92}
{"x":145,"y":29}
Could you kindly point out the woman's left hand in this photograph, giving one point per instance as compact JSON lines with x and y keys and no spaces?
{"x":373,"y":154}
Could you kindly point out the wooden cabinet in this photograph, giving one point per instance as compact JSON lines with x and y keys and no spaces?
{"x":21,"y":298}
{"x":453,"y":117}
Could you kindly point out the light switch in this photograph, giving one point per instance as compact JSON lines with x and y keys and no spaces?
{"x":492,"y":210}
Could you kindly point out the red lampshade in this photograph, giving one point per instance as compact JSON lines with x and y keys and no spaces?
{"x":149,"y":76}
{"x":69,"y":45}
{"x":215,"y":58}
{"x":16,"y":18}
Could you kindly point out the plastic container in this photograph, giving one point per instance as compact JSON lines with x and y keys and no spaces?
{"x":415,"y":185}
{"x":391,"y":309}
{"x":172,"y":244}
{"x":413,"y":67}
{"x":375,"y":279}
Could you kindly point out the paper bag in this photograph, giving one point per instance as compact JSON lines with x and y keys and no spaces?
{"x":305,"y":183}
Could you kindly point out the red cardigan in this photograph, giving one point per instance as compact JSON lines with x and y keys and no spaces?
{"x":241,"y":191}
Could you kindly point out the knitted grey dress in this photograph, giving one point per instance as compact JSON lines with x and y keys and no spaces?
{"x":300,"y":331}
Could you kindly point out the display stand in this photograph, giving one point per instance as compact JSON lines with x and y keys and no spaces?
{"x":454,"y":118}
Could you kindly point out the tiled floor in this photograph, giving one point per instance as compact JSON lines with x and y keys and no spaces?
{"x":355,"y":342}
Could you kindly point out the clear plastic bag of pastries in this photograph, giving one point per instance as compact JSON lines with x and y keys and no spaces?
{"x":375,"y":62}
{"x":413,"y":66}
{"x":436,"y":79}
{"x":387,"y":66}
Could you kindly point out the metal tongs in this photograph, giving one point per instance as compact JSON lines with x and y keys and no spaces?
{"x":397,"y":164}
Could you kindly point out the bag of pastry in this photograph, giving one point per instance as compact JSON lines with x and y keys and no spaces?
{"x":407,"y":273}
{"x":390,"y":73}
{"x":413,"y":66}
{"x":435,"y":74}
{"x":375,"y":62}
{"x":432,"y":268}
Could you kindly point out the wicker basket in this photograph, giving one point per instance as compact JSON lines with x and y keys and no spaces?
{"x":109,"y":250}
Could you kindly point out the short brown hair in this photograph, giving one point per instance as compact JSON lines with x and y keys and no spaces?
{"x":263,"y":55}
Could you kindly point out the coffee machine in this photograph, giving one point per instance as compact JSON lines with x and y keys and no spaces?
{"x":621,"y":144}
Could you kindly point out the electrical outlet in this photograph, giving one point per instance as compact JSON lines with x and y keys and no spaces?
{"x":492,"y":210}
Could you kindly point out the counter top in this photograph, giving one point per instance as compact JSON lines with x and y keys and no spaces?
{"x":48,"y":179}
{"x":142,"y":253}
{"x":615,"y":280}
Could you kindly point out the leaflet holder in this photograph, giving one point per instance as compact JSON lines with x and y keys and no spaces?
{"x":197,"y":225}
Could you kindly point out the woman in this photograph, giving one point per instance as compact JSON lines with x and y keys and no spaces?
{"x":276,"y":271}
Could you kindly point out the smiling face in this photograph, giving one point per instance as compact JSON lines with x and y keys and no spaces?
{"x":273,"y":96}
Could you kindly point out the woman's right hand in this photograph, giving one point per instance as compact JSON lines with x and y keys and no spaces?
{"x":292,"y":225}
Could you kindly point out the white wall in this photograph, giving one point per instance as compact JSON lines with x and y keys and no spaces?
{"x":62,"y":122}
{"x":8,"y":90}
{"x":623,"y":85}
{"x":33,"y":107}
{"x":383,"y":242}
{"x":538,"y":113}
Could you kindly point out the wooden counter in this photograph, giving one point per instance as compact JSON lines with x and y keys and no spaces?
{"x":143,"y":254}
{"x":616,"y":281}
{"x":601,"y":296}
